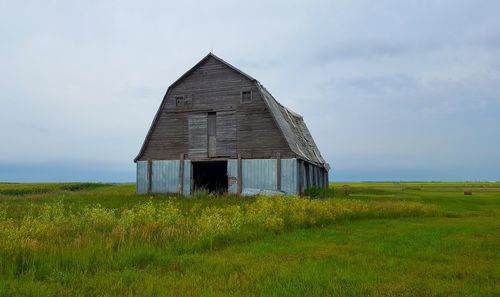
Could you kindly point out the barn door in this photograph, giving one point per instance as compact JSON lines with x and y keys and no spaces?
{"x":212,"y":134}
{"x":197,"y":123}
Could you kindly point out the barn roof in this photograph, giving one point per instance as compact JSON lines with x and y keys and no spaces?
{"x":291,"y":124}
{"x":294,"y":129}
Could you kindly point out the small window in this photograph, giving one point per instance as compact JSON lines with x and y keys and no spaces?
{"x":246,"y":96}
{"x":179,"y":101}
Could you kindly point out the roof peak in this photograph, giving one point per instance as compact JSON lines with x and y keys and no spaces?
{"x":211,"y":54}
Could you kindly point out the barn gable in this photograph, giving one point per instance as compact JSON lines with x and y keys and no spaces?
{"x":213,"y":86}
{"x":260,"y":129}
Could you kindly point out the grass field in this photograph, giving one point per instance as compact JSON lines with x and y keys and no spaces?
{"x":370,"y":239}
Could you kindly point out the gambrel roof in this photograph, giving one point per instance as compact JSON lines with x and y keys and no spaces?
{"x":291,"y":124}
{"x":294,"y":129}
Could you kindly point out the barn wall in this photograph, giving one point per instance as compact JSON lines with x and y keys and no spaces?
{"x":289,"y":176}
{"x":165,"y":176}
{"x":316,"y":176}
{"x":245,"y":128}
{"x":187,"y":178}
{"x":261,"y":174}
{"x":142,"y":177}
{"x":258,"y":174}
{"x":232,"y":175}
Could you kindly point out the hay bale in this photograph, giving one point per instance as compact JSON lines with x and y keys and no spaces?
{"x":467,"y":192}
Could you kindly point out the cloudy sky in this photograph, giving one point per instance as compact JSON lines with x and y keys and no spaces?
{"x":391,"y":90}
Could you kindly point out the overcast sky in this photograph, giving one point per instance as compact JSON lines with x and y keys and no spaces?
{"x":390,"y":90}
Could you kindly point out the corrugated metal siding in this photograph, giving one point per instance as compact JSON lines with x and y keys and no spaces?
{"x":165,"y":176}
{"x":187,"y":178}
{"x":259,"y":174}
{"x":232,"y":175}
{"x":289,"y":177}
{"x":142,"y":177}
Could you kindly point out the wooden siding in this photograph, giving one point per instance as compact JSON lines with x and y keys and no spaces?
{"x":198,"y":137}
{"x":226,"y":127}
{"x":212,"y":134}
{"x":248,"y":129}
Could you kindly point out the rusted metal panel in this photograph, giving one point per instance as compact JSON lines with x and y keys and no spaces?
{"x":232,"y":176}
{"x":165,"y":176}
{"x":142,"y":177}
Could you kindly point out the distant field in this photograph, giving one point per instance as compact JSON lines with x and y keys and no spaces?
{"x":359,"y":239}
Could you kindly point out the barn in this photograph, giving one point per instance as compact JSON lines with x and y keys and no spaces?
{"x":218,"y":129}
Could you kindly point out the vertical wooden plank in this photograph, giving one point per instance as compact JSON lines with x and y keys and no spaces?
{"x":198,"y":141}
{"x":180,"y":188}
{"x":226,"y":126}
{"x":278,"y":172}
{"x":240,"y":175}
{"x":150,"y":175}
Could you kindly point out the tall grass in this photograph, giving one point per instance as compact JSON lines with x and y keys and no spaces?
{"x":54,"y":239}
{"x":166,"y":223}
{"x":112,"y":242}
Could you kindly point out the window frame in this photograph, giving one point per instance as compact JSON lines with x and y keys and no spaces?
{"x":246,"y":91}
{"x":182,"y":98}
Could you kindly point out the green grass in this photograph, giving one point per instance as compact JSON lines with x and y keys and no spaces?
{"x":374,"y":239}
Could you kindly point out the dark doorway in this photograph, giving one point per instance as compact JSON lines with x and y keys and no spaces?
{"x":210,"y":176}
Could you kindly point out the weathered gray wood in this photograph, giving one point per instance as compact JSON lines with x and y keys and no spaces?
{"x":246,"y":128}
{"x":240,"y":175}
{"x":197,"y":135}
{"x":226,"y":134}
{"x":212,"y":135}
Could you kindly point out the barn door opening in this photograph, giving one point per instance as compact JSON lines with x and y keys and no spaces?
{"x":210,"y":176}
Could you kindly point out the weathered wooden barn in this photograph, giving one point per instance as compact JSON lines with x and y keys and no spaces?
{"x":219,"y":129}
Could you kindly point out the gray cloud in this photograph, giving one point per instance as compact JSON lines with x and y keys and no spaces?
{"x":389,"y":89}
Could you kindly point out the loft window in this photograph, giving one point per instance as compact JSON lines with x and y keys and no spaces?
{"x":246,"y":96}
{"x":179,"y":101}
